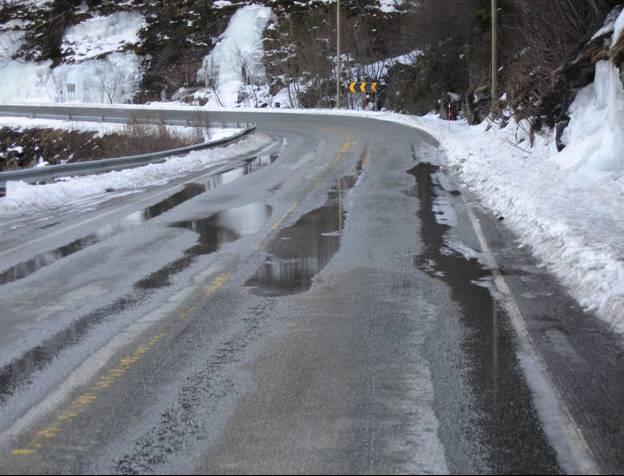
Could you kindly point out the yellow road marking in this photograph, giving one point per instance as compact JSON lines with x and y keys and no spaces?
{"x":344,"y":149}
{"x":80,"y":404}
{"x":212,"y":288}
{"x":23,"y":452}
{"x":284,"y":217}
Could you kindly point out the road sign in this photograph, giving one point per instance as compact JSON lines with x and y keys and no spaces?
{"x":71,"y":92}
{"x":364,"y":88}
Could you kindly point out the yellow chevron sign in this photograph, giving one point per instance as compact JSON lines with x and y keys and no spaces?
{"x":363,"y":88}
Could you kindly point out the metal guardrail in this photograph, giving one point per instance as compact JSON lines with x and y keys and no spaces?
{"x":119,"y":163}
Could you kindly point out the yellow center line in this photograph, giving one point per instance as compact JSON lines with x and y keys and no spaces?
{"x":344,"y":150}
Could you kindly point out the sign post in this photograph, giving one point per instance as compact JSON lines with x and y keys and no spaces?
{"x":338,"y":59}
{"x":364,"y":88}
{"x":494,"y":53}
{"x":71,"y":92}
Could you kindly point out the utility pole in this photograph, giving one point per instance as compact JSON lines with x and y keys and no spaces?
{"x":494,"y":53}
{"x":338,"y":60}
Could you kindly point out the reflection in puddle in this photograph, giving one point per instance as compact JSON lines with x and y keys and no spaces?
{"x":301,"y":251}
{"x":214,"y":231}
{"x":492,"y":367}
{"x":134,"y":220}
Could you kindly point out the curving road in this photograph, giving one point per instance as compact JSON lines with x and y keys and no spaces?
{"x":332,"y":303}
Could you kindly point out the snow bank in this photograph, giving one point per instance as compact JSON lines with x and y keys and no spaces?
{"x":238,"y":55}
{"x":105,"y":128}
{"x":22,"y":197}
{"x":576,"y":229}
{"x":102,"y":35}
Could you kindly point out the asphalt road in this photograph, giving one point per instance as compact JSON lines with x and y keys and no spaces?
{"x":332,"y":304}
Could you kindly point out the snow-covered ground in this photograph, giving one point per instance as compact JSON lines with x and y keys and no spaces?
{"x":22,"y":197}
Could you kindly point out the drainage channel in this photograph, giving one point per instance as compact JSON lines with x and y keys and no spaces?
{"x":301,"y":251}
{"x":26,"y":268}
{"x":213,"y":232}
{"x":509,"y":426}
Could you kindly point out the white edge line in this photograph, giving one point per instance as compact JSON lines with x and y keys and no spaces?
{"x":575,"y":449}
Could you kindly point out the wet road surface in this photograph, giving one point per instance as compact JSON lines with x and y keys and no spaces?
{"x":322,"y":307}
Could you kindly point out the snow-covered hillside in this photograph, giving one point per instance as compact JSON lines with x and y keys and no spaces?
{"x":98,"y":67}
{"x":137,"y":51}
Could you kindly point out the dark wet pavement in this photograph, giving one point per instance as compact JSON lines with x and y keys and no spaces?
{"x":510,"y":423}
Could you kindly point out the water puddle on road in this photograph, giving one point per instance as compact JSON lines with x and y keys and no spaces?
{"x":300,"y":252}
{"x":135,"y":220}
{"x":214,"y":231}
{"x":506,"y":417}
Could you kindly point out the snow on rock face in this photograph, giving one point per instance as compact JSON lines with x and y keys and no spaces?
{"x":10,"y":42}
{"x":618,"y":28}
{"x":102,"y":35}
{"x":22,"y":81}
{"x":113,"y":79}
{"x":596,"y":131}
{"x":238,"y":54}
{"x":389,"y":6}
{"x":609,"y":23}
